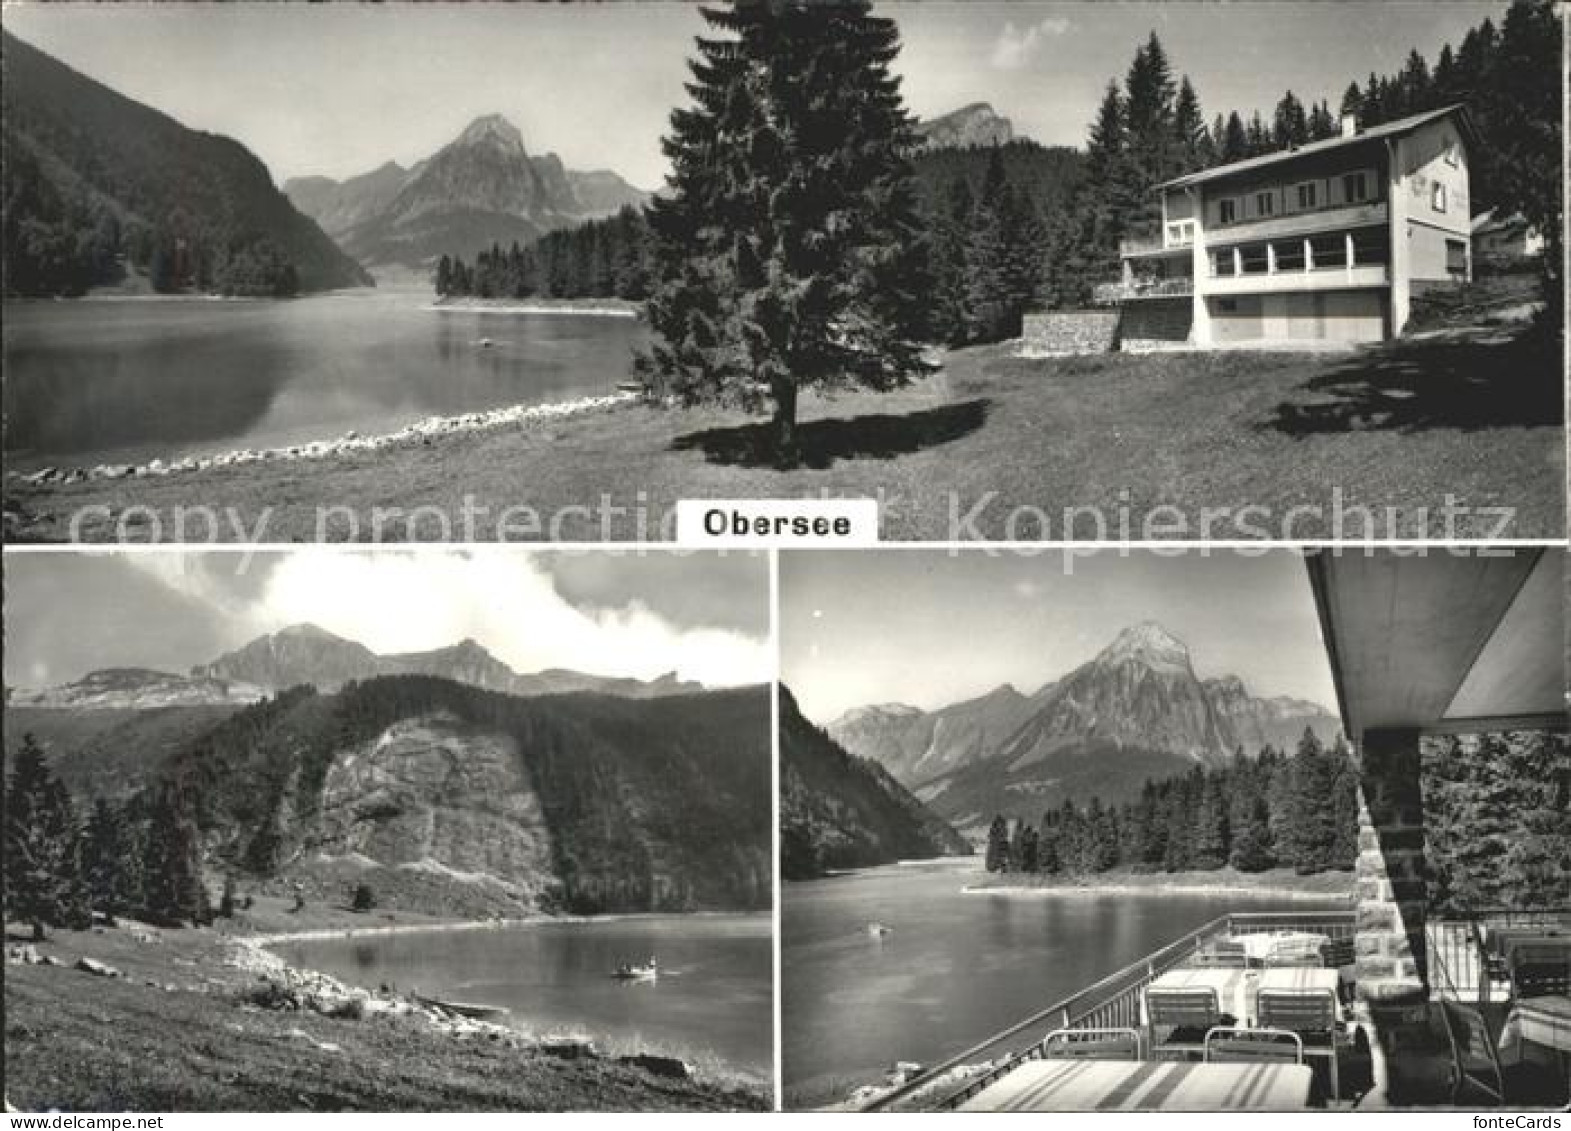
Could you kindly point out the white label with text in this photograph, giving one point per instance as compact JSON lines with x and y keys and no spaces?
{"x":748,"y":524}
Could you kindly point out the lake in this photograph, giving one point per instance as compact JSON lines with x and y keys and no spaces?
{"x":714,"y":998}
{"x":955,"y":968}
{"x":100,"y":381}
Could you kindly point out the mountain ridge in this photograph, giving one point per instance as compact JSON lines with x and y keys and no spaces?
{"x":479,"y":189}
{"x":193,"y":210}
{"x":1135,"y":710}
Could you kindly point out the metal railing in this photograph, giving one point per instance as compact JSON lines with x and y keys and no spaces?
{"x":1457,"y":942}
{"x":1147,"y":243}
{"x":1106,"y":294}
{"x":1112,"y":1002}
{"x":1473,"y":1058}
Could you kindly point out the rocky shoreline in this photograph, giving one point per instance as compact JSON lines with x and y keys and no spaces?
{"x":598,"y":309}
{"x":282,"y":986}
{"x":349,"y":443}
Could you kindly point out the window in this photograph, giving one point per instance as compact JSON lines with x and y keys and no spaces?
{"x":1227,"y":211}
{"x":1328,"y":251}
{"x":1255,"y":259}
{"x":1227,"y":306}
{"x":1181,"y":233}
{"x":1355,"y":187}
{"x":1370,"y":247}
{"x":1265,"y":203}
{"x":1290,"y":256}
{"x":1307,"y":194}
{"x":1437,"y":197}
{"x":1456,"y":258}
{"x":1222,"y":262}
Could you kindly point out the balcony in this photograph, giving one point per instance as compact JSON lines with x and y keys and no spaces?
{"x":1135,"y":247}
{"x":1111,"y":294}
{"x":1360,"y":276}
{"x":1298,"y":224}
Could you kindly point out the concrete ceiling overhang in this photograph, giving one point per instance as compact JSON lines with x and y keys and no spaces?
{"x":1443,"y":642}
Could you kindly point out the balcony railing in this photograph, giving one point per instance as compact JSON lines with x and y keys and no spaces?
{"x":1151,"y":245}
{"x":1108,"y":294}
{"x":1112,"y":1002}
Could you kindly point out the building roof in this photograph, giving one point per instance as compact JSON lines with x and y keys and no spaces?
{"x":1488,"y":222}
{"x":1388,"y":129}
{"x":1441,"y":643}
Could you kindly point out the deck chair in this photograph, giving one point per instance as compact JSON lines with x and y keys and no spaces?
{"x":1337,"y":953}
{"x":1283,"y":959}
{"x":1313,"y":1016}
{"x":1186,"y":1015}
{"x":1228,"y":1044}
{"x":1476,"y":1077}
{"x":1091,"y":1044}
{"x":1541,"y":969}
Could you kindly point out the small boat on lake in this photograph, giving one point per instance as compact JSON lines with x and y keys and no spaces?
{"x":627,"y":972}
{"x":470,"y":1009}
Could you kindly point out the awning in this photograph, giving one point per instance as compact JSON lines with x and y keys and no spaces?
{"x":1440,"y":641}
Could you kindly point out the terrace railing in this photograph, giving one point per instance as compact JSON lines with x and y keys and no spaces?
{"x":1458,"y":942}
{"x":1108,"y":294}
{"x":1112,"y":1002}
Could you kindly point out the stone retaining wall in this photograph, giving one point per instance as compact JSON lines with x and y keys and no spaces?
{"x":1064,"y":333}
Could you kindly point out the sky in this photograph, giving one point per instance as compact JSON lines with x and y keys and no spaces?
{"x":338,"y":89}
{"x":934,"y":627}
{"x":624,"y":613}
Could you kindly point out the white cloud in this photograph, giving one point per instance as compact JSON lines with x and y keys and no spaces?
{"x":1015,"y":47}
{"x":396,"y":601}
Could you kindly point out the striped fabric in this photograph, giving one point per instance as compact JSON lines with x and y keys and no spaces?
{"x":1544,"y":1021}
{"x":1102,"y":1085}
{"x":1226,"y":985}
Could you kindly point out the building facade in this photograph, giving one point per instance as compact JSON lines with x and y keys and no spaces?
{"x":1328,"y":242}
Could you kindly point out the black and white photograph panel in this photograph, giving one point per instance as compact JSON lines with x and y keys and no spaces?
{"x":1174,"y":832}
{"x":1145,"y":271}
{"x":392,"y":831}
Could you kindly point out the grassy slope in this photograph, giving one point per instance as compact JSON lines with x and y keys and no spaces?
{"x":82,"y":1043}
{"x":1476,"y":416}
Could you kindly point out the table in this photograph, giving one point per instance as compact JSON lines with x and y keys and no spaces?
{"x":1502,"y":940}
{"x":1258,"y":945}
{"x":1545,"y":1021}
{"x":1133,"y":1085}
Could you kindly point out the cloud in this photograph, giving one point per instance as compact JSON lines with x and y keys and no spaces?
{"x":1015,"y":47}
{"x":506,"y":600}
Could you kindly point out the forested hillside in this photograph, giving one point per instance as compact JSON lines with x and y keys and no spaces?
{"x":1497,"y":811}
{"x":841,"y":811}
{"x":1274,"y":811}
{"x":453,"y":798}
{"x":96,"y":185}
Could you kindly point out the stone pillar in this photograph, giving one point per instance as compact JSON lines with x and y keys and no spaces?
{"x":1392,"y":892}
{"x":1392,"y":952}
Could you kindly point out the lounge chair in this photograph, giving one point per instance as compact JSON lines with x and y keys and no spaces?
{"x":1313,"y":1017}
{"x":1186,"y":1015}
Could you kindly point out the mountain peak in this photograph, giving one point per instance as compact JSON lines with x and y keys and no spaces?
{"x":307,"y":630}
{"x":1149,"y":643}
{"x":492,"y":129}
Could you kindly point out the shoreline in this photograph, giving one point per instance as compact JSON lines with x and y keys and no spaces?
{"x":595,"y":308}
{"x":1273,"y":892}
{"x":350,"y":442}
{"x":253,"y":954}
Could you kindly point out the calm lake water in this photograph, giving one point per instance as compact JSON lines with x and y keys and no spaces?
{"x":714,"y":997}
{"x":91,"y":381}
{"x":955,"y":969}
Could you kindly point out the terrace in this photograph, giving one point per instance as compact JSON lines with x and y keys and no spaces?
{"x":1398,"y":1004}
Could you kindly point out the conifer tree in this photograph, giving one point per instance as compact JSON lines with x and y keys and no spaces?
{"x":110,"y":866}
{"x":42,"y":853}
{"x":997,"y":856}
{"x":789,"y":252}
{"x":174,"y":891}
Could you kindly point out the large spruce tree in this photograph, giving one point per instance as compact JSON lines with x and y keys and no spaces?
{"x":43,"y":883}
{"x":788,"y":250}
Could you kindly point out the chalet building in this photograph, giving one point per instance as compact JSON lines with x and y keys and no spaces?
{"x":1505,"y":242}
{"x":1329,"y":242}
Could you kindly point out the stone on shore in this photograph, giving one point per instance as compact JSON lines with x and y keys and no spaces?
{"x":671,"y":1067}
{"x":97,"y":968}
{"x":569,"y":1048}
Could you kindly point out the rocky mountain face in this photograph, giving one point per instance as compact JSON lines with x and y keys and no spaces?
{"x":427,"y":788}
{"x":79,"y":154}
{"x":308,"y":654}
{"x":482,"y":188}
{"x":841,"y":811}
{"x":1135,"y":711}
{"x":917,"y":746}
{"x":973,"y":125}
